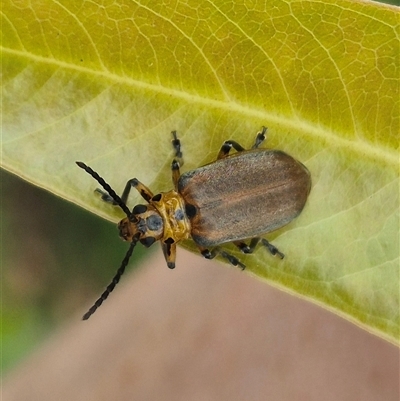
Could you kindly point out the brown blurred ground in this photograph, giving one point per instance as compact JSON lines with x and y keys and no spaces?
{"x":206,"y":332}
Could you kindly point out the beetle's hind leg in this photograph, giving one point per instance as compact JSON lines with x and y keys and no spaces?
{"x":211,"y":254}
{"x":254,"y":242}
{"x":260,"y":138}
{"x":228,"y":145}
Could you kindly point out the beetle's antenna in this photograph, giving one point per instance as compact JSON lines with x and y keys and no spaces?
{"x":110,"y":191}
{"x":113,"y":283}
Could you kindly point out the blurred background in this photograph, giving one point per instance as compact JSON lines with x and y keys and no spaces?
{"x":204,"y":331}
{"x":55,"y":257}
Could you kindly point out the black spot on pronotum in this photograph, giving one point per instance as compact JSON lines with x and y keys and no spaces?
{"x":191,"y":210}
{"x":147,"y":241}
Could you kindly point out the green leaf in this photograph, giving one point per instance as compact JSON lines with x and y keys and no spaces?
{"x":105,"y":82}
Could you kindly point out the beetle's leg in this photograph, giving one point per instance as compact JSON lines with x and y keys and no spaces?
{"x":178,"y":160}
{"x":253,"y":243}
{"x":176,"y":173}
{"x":169,"y":250}
{"x":176,"y":143}
{"x":228,"y":145}
{"x":211,"y":254}
{"x":260,"y":138}
{"x":133,"y":183}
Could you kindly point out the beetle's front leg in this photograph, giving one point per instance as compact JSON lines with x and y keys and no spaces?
{"x":254,"y":242}
{"x":133,"y":183}
{"x":169,"y":250}
{"x":211,"y":254}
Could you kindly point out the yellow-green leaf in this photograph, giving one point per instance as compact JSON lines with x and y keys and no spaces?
{"x":105,"y":82}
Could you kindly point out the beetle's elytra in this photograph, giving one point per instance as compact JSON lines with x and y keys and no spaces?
{"x":237,"y":197}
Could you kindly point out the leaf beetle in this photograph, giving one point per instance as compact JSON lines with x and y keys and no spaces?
{"x":238,"y":197}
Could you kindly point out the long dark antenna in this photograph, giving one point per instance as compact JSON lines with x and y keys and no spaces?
{"x":124,"y":263}
{"x":110,"y":191}
{"x":113,"y":283}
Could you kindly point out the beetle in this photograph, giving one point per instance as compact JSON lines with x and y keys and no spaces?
{"x":238,"y":197}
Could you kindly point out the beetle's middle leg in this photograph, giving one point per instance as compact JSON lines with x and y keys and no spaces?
{"x":177,"y":162}
{"x":228,"y":145}
{"x":254,"y":242}
{"x":211,"y":254}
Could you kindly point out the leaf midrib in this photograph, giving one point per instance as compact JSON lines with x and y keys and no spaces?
{"x":313,"y":131}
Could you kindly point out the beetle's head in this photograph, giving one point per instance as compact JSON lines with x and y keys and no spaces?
{"x":145,"y":223}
